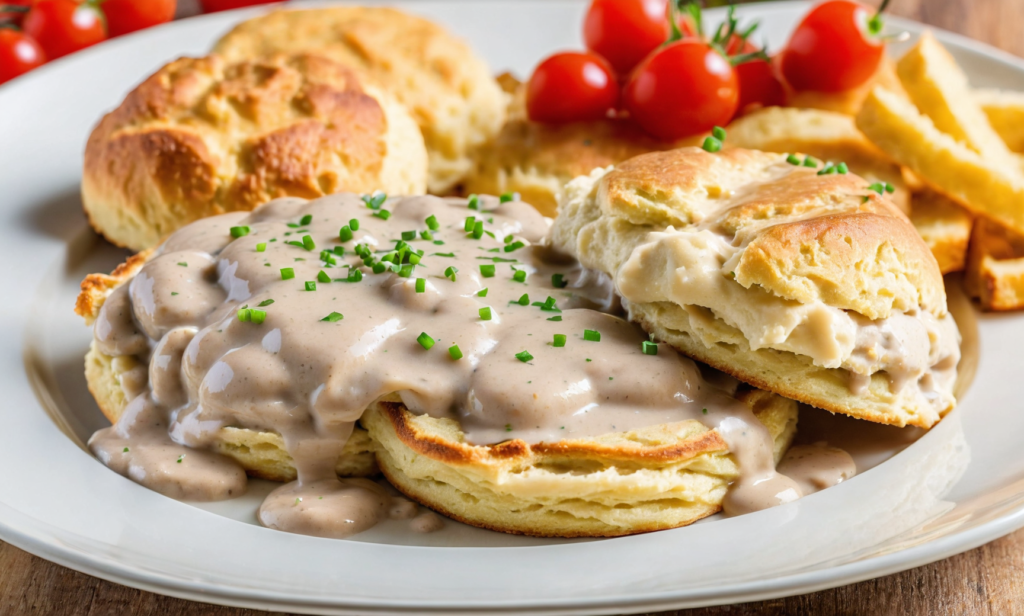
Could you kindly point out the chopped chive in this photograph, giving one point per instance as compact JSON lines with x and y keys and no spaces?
{"x":406,"y":270}
{"x":558,"y":281}
{"x":379,"y":267}
{"x":478,"y":229}
{"x":382,"y":214}
{"x":355,"y":275}
{"x":426,"y":235}
{"x":506,"y":197}
{"x":174,"y":292}
{"x":125,"y":450}
{"x":345,"y":234}
{"x":353,"y":224}
{"x":292,"y":225}
{"x":258,"y":316}
{"x":718,"y":133}
{"x":425,"y":341}
{"x":470,"y":221}
{"x":559,"y":340}
{"x":519,"y":276}
{"x":311,"y":285}
{"x":711,"y":144}
{"x":287,"y":273}
{"x":450,"y":272}
{"x":408,"y":235}
{"x":516,"y":245}
{"x":421,"y":285}
{"x":473,"y":203}
{"x":649,"y":348}
{"x":308,"y":243}
{"x":524,"y":300}
{"x":524,"y":356}
{"x":592,"y":335}
{"x":180,"y":458}
{"x":485,"y":313}
{"x":705,"y":411}
{"x":793,"y":159}
{"x":245,"y":315}
{"x":508,"y":239}
{"x":334,"y":317}
{"x":889,"y":188}
{"x":432,"y":223}
{"x":455,"y":352}
{"x":487,"y":271}
{"x":323,"y":276}
{"x":877,"y":187}
{"x":265,"y":302}
{"x":261,"y":247}
{"x":842,"y":168}
{"x":237,"y":232}
{"x":557,"y":317}
{"x":482,"y":292}
{"x":809,"y":162}
{"x":375,"y":200}
{"x":182,"y":264}
{"x":443,"y":254}
{"x":828,"y":169}
{"x":308,"y":218}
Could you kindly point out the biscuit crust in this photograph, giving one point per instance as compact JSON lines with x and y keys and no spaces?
{"x":616,"y":484}
{"x":446,"y":87}
{"x":204,"y":136}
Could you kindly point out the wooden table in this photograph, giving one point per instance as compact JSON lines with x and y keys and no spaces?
{"x":987,"y":580}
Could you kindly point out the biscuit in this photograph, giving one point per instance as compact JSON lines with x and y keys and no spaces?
{"x":447,"y":88}
{"x":825,"y":135}
{"x":537,"y":160}
{"x":204,"y":136}
{"x":261,"y":453}
{"x":773,"y":273}
{"x":616,"y":484}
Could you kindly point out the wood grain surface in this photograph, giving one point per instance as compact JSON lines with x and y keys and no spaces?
{"x":987,"y":580}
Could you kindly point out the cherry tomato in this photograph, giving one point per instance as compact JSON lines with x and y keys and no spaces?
{"x":124,"y":16}
{"x":571,"y":86}
{"x":212,"y":6}
{"x":625,"y":31}
{"x":683,"y":89}
{"x":19,"y":53}
{"x":832,"y":49}
{"x":64,"y":26}
{"x":759,"y":85}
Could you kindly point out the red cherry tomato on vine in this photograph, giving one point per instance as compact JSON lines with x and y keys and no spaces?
{"x":625,"y":31}
{"x":64,"y":26}
{"x":571,"y":86}
{"x":683,"y":89}
{"x":19,"y":53}
{"x":759,"y":85}
{"x":836,"y":47}
{"x":212,"y":6}
{"x":124,"y":16}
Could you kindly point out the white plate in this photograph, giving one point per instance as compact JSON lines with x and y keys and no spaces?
{"x":958,"y":486}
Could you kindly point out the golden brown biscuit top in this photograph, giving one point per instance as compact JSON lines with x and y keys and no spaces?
{"x":446,"y":87}
{"x":802,"y":236}
{"x":239,"y":134}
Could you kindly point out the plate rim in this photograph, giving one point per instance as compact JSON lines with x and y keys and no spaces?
{"x":31,"y":534}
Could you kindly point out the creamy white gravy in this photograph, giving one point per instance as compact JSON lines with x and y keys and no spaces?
{"x":693,"y":268}
{"x":327,"y":342}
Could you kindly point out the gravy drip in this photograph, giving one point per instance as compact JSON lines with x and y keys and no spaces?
{"x":335,"y":337}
